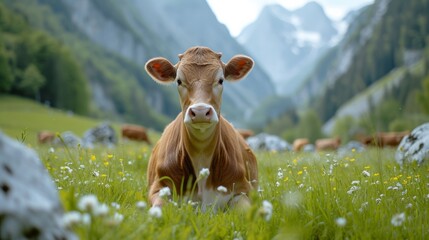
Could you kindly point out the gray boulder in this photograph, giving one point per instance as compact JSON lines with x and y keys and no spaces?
{"x":68,"y":139}
{"x":351,"y":146}
{"x":415,"y":146}
{"x":102,"y":134}
{"x":266,"y":142}
{"x":309,"y":148}
{"x":29,"y":204}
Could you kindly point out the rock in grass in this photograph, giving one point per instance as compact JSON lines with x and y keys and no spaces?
{"x":29,"y":204}
{"x":415,"y":146}
{"x":266,"y":142}
{"x":102,"y":134}
{"x":68,"y":139}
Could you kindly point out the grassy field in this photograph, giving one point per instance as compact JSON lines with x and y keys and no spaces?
{"x":360,"y":195}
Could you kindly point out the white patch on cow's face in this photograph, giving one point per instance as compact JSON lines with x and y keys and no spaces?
{"x":200,"y":100}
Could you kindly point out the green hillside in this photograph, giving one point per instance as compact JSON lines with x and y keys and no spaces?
{"x":43,"y":56}
{"x":22,"y":119}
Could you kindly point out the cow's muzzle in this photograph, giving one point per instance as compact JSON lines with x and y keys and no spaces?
{"x":201,"y":113}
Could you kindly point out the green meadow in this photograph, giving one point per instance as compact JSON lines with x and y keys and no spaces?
{"x":358,"y":195}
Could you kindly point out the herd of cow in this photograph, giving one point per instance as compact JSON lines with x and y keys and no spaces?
{"x":200,"y":147}
{"x":102,"y":134}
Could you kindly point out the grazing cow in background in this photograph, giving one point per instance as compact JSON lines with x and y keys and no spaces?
{"x":328,"y":144}
{"x":45,"y":137}
{"x":245,"y":133}
{"x":135,"y":132}
{"x":385,"y":139}
{"x":200,"y":139}
{"x":299,"y":143}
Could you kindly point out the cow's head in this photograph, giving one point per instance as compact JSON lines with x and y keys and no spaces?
{"x":199,"y":75}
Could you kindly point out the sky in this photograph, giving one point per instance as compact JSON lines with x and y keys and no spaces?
{"x":237,"y":14}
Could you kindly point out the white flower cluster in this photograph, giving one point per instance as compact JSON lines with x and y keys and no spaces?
{"x":205,"y":172}
{"x":90,"y":207}
{"x":266,"y":211}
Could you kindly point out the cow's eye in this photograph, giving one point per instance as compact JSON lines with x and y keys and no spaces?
{"x":220,"y":81}
{"x":179,"y":82}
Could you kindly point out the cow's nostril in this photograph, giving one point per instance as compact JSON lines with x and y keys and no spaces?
{"x":209,"y":112}
{"x":192,"y":113}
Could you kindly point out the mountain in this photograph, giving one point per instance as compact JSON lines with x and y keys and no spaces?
{"x":170,"y":34}
{"x":375,"y":63}
{"x":288,"y":43}
{"x":375,"y":79}
{"x":113,"y":39}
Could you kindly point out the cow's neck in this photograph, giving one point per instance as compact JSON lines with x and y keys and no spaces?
{"x":200,"y":145}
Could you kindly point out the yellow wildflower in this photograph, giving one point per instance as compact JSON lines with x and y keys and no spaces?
{"x":93,"y":158}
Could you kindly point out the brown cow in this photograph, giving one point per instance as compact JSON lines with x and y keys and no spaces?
{"x":328,"y":144}
{"x":245,"y":133}
{"x":135,"y":132}
{"x":385,"y":139}
{"x":299,"y":143}
{"x":200,"y":139}
{"x":45,"y":137}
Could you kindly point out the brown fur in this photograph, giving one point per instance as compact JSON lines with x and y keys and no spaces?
{"x":245,"y":133}
{"x":233,"y":165}
{"x":299,"y":143}
{"x":328,"y":144}
{"x":45,"y":137}
{"x":135,"y":132}
{"x":385,"y":139}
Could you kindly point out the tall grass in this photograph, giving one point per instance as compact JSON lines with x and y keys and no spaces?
{"x":363,"y":195}
{"x":314,"y":195}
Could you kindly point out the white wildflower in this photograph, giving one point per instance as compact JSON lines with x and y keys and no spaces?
{"x":141,"y":205}
{"x":341,"y":222}
{"x":115,"y":205}
{"x":356,"y":182}
{"x":164,"y":192}
{"x":398,"y":219}
{"x":117,"y":218}
{"x":409,"y":205}
{"x":363,"y":206}
{"x":204,"y":172}
{"x":378,"y":200}
{"x":277,"y":184}
{"x":399,"y":185}
{"x":51,"y":150}
{"x":86,"y":219}
{"x":280,"y":173}
{"x":155,"y":212}
{"x":266,"y":210}
{"x":95,"y":174}
{"x":88,"y":203}
{"x":71,"y":218}
{"x":101,"y":210}
{"x":365,"y":173}
{"x":222,"y":189}
{"x":353,"y":189}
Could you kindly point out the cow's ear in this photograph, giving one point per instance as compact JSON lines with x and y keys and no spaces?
{"x":238,"y":67}
{"x":161,"y":70}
